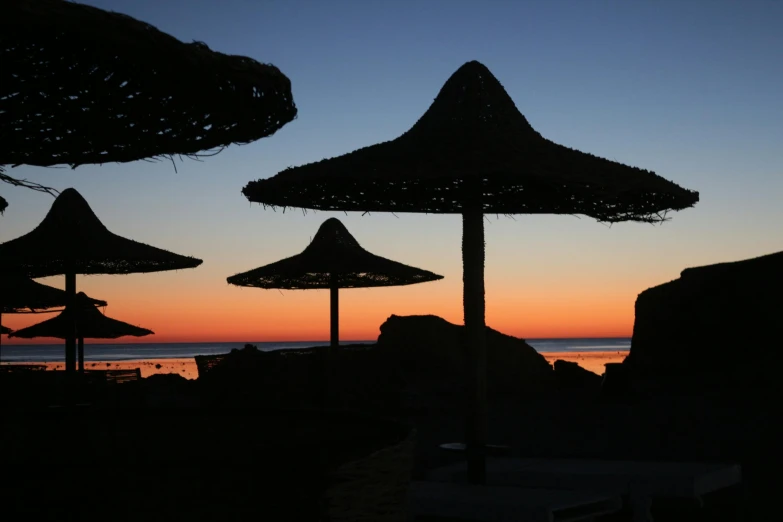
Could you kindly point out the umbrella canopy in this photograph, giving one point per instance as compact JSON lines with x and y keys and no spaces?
{"x":19,"y":293}
{"x":473,"y":153}
{"x":71,"y":239}
{"x":333,"y":260}
{"x":4,"y":330}
{"x":82,"y":85}
{"x":333,"y":251}
{"x":474,"y":130}
{"x":90,"y":324}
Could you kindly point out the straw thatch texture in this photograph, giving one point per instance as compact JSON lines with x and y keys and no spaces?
{"x":82,"y":85}
{"x":19,"y":293}
{"x":90,"y":324}
{"x":335,"y":251}
{"x":72,"y":239}
{"x":474,"y":132}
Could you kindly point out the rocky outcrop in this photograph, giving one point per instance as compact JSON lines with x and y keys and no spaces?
{"x":724,"y":319}
{"x":569,"y":375}
{"x":431,"y":355}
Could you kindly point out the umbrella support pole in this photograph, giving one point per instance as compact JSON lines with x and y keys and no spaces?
{"x":475,"y":343}
{"x":334,"y":342}
{"x":70,"y":340}
{"x":334,"y":313}
{"x":81,"y":355}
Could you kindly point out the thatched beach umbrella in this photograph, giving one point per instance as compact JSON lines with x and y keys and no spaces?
{"x":72,"y":240}
{"x":5,"y":330}
{"x":19,"y":294}
{"x":474,"y":153}
{"x":90,"y":324}
{"x":333,"y":260}
{"x":80,"y":85}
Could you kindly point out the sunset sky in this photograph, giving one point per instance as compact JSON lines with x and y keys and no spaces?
{"x":690,"y":90}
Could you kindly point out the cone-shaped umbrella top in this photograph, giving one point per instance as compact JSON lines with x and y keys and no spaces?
{"x":474,"y":133}
{"x":90,"y":324}
{"x":333,"y":251}
{"x":4,"y":330}
{"x":83,"y":85}
{"x":19,"y":293}
{"x":71,"y":238}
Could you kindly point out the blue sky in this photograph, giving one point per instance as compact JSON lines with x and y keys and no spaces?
{"x":689,"y":89}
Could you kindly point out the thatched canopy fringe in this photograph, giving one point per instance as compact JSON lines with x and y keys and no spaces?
{"x":333,"y":252}
{"x":19,"y":293}
{"x":90,"y":324}
{"x":82,"y":85}
{"x":71,"y":239}
{"x":473,"y":129}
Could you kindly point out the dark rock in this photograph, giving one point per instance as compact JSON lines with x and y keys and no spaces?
{"x":722,"y":321}
{"x":169,"y":389}
{"x":432,"y":356}
{"x":570,"y":375}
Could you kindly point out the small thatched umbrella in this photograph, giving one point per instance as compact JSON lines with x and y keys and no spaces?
{"x":90,"y":324}
{"x":333,"y":260}
{"x":20,"y":294}
{"x":81,"y":85}
{"x":474,"y":153}
{"x":72,"y":240}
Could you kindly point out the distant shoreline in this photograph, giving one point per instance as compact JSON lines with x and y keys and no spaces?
{"x":7,"y":342}
{"x":186,"y":366}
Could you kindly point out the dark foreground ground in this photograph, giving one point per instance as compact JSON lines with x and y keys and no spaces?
{"x":253,"y":453}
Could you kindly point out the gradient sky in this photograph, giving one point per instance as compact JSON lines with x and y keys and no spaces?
{"x":691,"y":90}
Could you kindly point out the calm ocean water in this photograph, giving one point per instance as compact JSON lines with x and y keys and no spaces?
{"x":121,"y":352}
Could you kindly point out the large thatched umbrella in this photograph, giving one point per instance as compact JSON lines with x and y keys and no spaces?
{"x":333,"y":260}
{"x":20,"y":294}
{"x":80,"y":85}
{"x":90,"y":324}
{"x":473,"y":153}
{"x":72,"y":240}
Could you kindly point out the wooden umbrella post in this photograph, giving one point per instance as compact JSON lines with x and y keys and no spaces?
{"x":70,"y":340}
{"x":475,"y":340}
{"x":334,"y":342}
{"x":334,"y":306}
{"x":81,"y":355}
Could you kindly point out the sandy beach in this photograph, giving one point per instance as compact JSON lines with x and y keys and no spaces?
{"x":186,"y":367}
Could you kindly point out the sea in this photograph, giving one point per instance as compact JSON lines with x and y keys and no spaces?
{"x":131,"y":352}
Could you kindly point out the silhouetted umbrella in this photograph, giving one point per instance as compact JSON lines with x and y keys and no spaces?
{"x":90,"y":324}
{"x":473,"y":153}
{"x":103,"y":87}
{"x":19,"y":293}
{"x":5,"y":330}
{"x":71,"y":240}
{"x":81,"y":85}
{"x":333,"y":260}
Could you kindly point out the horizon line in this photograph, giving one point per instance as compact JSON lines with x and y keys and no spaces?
{"x":325,"y":341}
